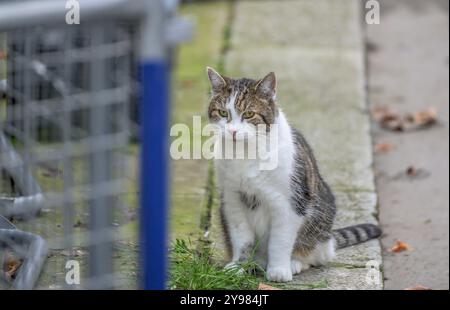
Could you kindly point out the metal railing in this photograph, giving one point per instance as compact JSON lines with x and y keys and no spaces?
{"x":66,"y":164}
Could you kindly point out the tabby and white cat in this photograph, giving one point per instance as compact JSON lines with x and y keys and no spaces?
{"x":286,"y":213}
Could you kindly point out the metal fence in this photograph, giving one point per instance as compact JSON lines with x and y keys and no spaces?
{"x":69,"y":196}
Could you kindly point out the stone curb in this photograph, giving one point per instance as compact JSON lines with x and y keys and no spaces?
{"x":316,"y":49}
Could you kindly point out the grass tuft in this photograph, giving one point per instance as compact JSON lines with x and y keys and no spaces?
{"x":194,"y":269}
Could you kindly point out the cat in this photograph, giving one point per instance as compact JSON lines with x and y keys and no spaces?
{"x":282,"y":217}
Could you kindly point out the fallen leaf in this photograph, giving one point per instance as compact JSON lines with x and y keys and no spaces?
{"x":395,"y":125}
{"x":384,"y":113}
{"x":416,"y":173}
{"x":394,"y":121}
{"x":12,"y":266}
{"x":265,"y":287}
{"x":411,"y":171}
{"x":418,"y":288}
{"x":388,"y":119}
{"x":400,"y":247}
{"x":2,"y":55}
{"x":423,"y":118}
{"x":383,"y":147}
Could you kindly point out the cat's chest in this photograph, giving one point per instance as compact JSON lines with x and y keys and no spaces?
{"x":244,"y":176}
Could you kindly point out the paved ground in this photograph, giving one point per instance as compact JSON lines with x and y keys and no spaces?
{"x":316,"y":50}
{"x":409,"y":71}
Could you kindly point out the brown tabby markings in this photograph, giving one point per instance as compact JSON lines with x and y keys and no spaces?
{"x":247,"y":99}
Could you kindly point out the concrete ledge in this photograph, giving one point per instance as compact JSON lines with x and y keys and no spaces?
{"x":316,"y":50}
{"x":313,"y":23}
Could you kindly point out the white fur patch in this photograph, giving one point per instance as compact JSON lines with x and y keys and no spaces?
{"x":274,"y":223}
{"x":322,"y":254}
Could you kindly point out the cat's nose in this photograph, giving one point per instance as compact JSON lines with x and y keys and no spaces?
{"x":232,"y":131}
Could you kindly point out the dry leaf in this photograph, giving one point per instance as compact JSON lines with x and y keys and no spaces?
{"x":414,"y":172}
{"x":265,"y":287}
{"x":2,"y":55}
{"x":418,"y":288}
{"x":383,"y":147}
{"x":394,"y":125}
{"x":400,"y":247}
{"x":383,"y":114}
{"x":411,"y":171}
{"x":423,"y":118}
{"x":12,"y":266}
{"x":393,"y":121}
{"x":388,"y":119}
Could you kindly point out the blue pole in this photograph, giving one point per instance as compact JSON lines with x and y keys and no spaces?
{"x":154,"y":126}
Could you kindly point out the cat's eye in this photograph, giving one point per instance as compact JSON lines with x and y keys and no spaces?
{"x":248,"y":114}
{"x":223,"y":113}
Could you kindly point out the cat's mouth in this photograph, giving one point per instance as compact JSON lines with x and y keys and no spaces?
{"x":236,"y":137}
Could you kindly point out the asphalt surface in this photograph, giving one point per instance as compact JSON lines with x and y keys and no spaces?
{"x":408,"y":71}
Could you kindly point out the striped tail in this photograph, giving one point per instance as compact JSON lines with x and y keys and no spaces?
{"x":351,"y":235}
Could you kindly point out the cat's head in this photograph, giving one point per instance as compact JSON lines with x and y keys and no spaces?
{"x":239,"y":106}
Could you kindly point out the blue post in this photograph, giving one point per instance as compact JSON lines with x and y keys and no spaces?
{"x":154,"y":124}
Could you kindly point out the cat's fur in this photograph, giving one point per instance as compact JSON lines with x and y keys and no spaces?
{"x":287,"y":212}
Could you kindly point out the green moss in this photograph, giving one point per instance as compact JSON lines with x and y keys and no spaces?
{"x":2,"y":110}
{"x":344,"y":265}
{"x":185,"y":220}
{"x":316,"y":285}
{"x":189,"y":177}
{"x":321,"y":284}
{"x":190,"y":84}
{"x":205,"y":222}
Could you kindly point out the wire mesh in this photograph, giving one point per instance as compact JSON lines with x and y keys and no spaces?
{"x":67,"y":169}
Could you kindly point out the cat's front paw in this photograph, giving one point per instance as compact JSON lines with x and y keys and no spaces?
{"x":296,"y":266}
{"x":279,"y":274}
{"x":234,"y":266}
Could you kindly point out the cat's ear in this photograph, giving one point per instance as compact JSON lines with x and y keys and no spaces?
{"x":217,"y":81}
{"x":266,"y":87}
